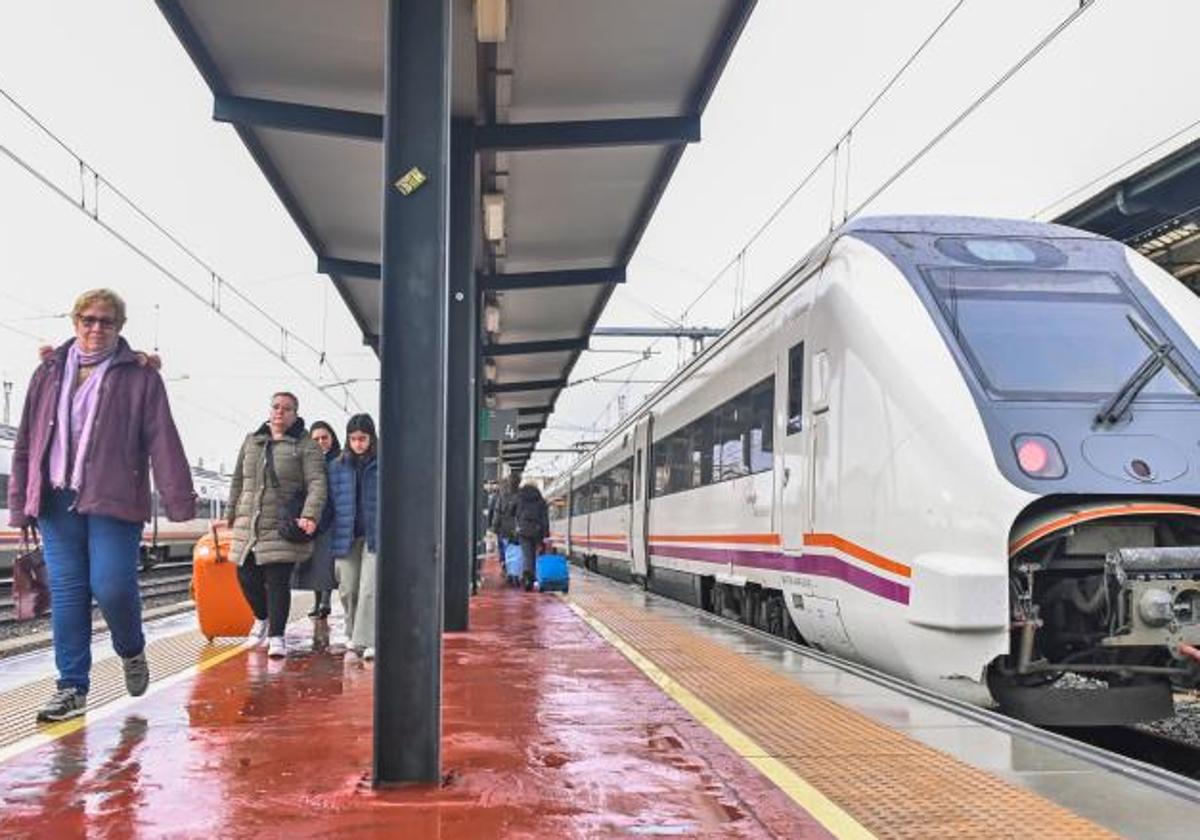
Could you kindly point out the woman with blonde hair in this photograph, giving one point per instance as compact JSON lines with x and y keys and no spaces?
{"x":96,"y":421}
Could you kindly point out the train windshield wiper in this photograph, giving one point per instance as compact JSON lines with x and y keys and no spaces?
{"x":1116,"y":406}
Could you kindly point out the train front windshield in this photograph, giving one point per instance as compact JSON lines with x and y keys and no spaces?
{"x":1050,"y":335}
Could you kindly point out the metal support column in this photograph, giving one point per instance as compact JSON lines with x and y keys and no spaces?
{"x":461,"y":422}
{"x":408,"y":666}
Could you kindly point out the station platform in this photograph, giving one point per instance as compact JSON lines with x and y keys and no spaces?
{"x":605,"y":713}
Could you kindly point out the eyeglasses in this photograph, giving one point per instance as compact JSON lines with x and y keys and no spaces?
{"x":89,"y":321}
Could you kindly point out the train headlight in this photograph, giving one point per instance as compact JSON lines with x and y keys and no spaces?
{"x":1038,"y":456}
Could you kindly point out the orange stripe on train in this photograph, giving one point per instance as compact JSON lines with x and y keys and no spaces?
{"x":1099,"y":513}
{"x":858,"y":552}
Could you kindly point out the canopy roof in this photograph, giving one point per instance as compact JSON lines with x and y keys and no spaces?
{"x":581,"y":115}
{"x":1155,"y":210}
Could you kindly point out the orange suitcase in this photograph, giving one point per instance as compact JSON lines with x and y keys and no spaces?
{"x":220,"y":605}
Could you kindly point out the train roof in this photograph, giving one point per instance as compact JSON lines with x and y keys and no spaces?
{"x":964,"y":226}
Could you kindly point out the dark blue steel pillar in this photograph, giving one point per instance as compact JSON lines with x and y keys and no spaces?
{"x":408,"y":666}
{"x":461,"y":366}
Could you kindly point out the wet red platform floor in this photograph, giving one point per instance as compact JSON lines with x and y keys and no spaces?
{"x":548,"y":732}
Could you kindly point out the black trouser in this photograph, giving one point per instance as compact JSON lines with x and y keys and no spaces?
{"x":322,"y":599}
{"x":269,"y":590}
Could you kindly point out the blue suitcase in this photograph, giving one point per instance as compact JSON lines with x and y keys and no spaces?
{"x":514,"y":562}
{"x":552,"y":574}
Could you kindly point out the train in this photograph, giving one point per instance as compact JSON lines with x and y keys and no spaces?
{"x":162,"y":540}
{"x":962,"y":451}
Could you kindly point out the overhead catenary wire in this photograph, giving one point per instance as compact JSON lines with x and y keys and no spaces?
{"x":1049,"y":38}
{"x":1112,"y":170}
{"x":219,"y":282}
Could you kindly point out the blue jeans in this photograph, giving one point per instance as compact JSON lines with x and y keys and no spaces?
{"x":86,"y":556}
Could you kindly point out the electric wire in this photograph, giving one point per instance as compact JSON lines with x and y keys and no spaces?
{"x":1083,"y":7}
{"x":1117,"y":168}
{"x":94,"y":215}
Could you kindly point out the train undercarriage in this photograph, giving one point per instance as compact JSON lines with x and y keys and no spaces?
{"x":1105,"y":620}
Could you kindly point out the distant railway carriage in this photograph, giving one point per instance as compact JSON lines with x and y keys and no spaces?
{"x":963,"y":451}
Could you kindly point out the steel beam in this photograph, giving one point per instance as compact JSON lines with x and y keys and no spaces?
{"x":461,"y":364}
{"x":528,"y":385}
{"x":408,"y":673}
{"x":290,"y":116}
{"x":546,"y":279}
{"x":336,"y":266}
{"x":529,"y":348}
{"x":581,"y":134}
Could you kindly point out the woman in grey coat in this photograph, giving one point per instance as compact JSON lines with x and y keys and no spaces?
{"x":275,"y":464}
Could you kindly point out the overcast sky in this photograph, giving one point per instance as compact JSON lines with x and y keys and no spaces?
{"x":113,"y":82}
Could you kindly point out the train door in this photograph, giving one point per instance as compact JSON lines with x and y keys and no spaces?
{"x":639,"y":558}
{"x":569,"y":514}
{"x":793,"y":441}
{"x":818,"y":441}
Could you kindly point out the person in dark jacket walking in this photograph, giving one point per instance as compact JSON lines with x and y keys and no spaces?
{"x":276,"y":464}
{"x":532,"y":518}
{"x":503,"y":524}
{"x":354,"y":486}
{"x":95,"y":422}
{"x":317,"y":573}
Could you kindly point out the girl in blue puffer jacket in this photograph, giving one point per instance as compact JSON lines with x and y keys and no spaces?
{"x":354,"y":488}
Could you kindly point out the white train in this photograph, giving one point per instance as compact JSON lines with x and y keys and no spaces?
{"x":162,"y":539}
{"x":962,"y":451}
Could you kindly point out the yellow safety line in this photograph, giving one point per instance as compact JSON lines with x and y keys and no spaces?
{"x":52,"y":732}
{"x":836,"y":821}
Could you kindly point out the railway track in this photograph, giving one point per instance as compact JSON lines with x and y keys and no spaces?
{"x":163,"y":581}
{"x":1165,"y":763}
{"x":1141,"y":745}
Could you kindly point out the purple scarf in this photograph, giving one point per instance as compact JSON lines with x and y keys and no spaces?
{"x":76,"y":415}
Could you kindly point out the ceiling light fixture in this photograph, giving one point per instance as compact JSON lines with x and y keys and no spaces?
{"x":493,"y":216}
{"x":491,"y":318}
{"x":491,"y":21}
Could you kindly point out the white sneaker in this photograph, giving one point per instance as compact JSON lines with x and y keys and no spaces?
{"x":257,"y":634}
{"x":369,"y":654}
{"x":276,"y":647}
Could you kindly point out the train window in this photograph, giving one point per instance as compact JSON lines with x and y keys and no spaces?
{"x":3,"y":490}
{"x":762,"y":425}
{"x":679,"y":459}
{"x":637,"y":478}
{"x":1049,"y":334}
{"x":601,"y":493}
{"x":703,"y":441}
{"x":795,"y":420}
{"x":735,"y":439}
{"x":733,"y":420}
{"x":662,"y":469}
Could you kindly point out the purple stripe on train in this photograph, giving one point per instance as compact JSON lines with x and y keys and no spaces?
{"x":822,"y":565}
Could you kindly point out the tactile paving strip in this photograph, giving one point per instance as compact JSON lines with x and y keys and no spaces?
{"x":18,"y":706}
{"x":893,"y":786}
{"x":167,"y":656}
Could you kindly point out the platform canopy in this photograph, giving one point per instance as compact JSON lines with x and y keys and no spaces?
{"x":1155,"y":210}
{"x":581,"y":112}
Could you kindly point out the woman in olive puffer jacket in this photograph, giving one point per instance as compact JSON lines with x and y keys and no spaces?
{"x":265,"y":558}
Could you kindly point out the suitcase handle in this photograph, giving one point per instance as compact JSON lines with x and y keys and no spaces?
{"x":212,"y":527}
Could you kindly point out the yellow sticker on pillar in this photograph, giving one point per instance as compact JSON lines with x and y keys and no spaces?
{"x":410,"y":181}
